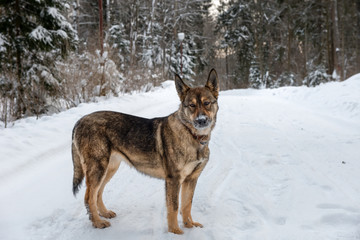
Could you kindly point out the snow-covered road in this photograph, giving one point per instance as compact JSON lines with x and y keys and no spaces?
{"x":285,"y":164}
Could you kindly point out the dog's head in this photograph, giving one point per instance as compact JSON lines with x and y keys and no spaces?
{"x":199,"y":105}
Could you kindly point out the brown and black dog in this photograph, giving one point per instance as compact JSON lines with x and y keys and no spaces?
{"x":174,"y":148}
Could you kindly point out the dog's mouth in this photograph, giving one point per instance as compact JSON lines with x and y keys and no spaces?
{"x":202,"y":122}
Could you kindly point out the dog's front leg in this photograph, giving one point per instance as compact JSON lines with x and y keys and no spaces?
{"x":172,"y":203}
{"x":187,"y":194}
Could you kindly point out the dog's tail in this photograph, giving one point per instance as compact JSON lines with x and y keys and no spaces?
{"x":78,"y":170}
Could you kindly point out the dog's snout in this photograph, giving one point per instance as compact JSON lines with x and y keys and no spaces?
{"x":202,"y":121}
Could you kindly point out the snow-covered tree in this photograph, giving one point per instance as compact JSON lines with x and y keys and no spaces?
{"x":235,"y":25}
{"x":316,"y":77}
{"x":33,"y":35}
{"x":183,"y":64}
{"x":285,"y":79}
{"x":255,"y":79}
{"x":151,"y":27}
{"x":119,"y":45}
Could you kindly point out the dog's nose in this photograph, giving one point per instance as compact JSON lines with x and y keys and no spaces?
{"x":201,"y":121}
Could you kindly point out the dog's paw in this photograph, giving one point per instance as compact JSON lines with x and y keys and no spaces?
{"x":108,"y":214}
{"x":101,"y":224}
{"x":190,"y":224}
{"x":176,"y":230}
{"x":196,"y":224}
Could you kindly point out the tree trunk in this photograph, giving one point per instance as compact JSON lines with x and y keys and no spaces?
{"x":329,"y":41}
{"x":102,"y":91}
{"x":342,"y":32}
{"x":305,"y":49}
{"x":101,"y":30}
{"x":336,"y":39}
{"x":227,"y":64}
{"x":289,"y":43}
{"x":174,"y":12}
{"x":133,"y":32}
{"x":107,"y":13}
{"x":20,"y":103}
{"x":357,"y":39}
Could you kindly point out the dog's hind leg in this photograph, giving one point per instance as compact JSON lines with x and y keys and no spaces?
{"x":94,"y":179}
{"x":113,"y":166}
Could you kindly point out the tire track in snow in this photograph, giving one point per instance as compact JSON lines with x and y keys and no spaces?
{"x":33,"y":162}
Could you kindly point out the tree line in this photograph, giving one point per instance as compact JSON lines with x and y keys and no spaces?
{"x":289,"y":42}
{"x":55,"y":54}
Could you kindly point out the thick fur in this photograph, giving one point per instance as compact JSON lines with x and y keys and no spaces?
{"x":173,"y":148}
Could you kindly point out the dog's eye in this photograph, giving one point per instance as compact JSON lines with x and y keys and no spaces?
{"x":207,"y":103}
{"x":192,"y":105}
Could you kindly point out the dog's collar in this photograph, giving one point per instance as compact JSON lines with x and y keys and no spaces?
{"x":202,"y":139}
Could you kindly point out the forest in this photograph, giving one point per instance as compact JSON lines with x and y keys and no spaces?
{"x":56,"y":54}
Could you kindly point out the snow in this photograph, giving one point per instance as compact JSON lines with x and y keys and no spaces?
{"x":41,"y":34}
{"x":284,"y":165}
{"x":335,"y":75}
{"x":62,"y":34}
{"x":54,"y":12}
{"x":181,"y":36}
{"x":2,"y":43}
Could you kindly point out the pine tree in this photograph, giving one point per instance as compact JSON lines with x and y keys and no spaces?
{"x":255,"y":80}
{"x":119,"y":45}
{"x":35,"y":34}
{"x":183,"y":64}
{"x":235,"y":25}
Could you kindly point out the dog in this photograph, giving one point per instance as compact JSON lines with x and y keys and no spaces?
{"x":174,"y":148}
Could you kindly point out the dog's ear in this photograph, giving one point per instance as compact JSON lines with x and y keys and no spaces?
{"x":181,"y":87}
{"x":213,"y":83}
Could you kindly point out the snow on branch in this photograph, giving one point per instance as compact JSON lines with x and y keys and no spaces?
{"x":41,"y":34}
{"x":54,"y":12}
{"x":2,"y":43}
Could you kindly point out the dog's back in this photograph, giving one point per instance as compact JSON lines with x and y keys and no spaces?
{"x":102,"y":134}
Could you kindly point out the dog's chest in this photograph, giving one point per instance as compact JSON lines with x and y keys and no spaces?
{"x":191,"y":167}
